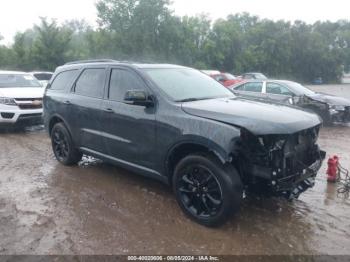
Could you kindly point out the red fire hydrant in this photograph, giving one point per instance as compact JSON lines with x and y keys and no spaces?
{"x":332,"y":171}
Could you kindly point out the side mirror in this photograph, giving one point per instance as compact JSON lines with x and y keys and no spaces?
{"x":138,"y":98}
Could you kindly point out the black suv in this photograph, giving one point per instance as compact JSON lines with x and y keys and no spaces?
{"x":180,"y":126}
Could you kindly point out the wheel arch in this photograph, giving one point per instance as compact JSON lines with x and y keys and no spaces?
{"x":54,"y":120}
{"x":190,"y":146}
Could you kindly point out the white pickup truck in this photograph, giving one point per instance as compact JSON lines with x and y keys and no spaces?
{"x":21,"y":97}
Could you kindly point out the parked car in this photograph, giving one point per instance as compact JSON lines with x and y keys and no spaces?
{"x":226,"y":79}
{"x":210,"y":146}
{"x":317,"y":81}
{"x":330,"y":108}
{"x":253,"y":76}
{"x":43,"y":77}
{"x":20,"y":99}
{"x":346,"y":78}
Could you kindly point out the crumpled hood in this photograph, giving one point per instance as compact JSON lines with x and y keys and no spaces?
{"x":258,"y":117}
{"x":22,"y":92}
{"x":330,"y":99}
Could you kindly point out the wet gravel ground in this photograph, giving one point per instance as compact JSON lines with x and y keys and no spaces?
{"x":94,"y":208}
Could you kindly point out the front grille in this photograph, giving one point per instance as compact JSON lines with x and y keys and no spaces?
{"x":29,"y":106}
{"x":28,"y":99}
{"x":7,"y":115}
{"x":29,"y":103}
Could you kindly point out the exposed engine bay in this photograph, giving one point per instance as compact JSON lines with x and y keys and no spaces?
{"x":284,"y":164}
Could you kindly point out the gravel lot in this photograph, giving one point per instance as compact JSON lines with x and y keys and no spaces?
{"x":94,"y":208}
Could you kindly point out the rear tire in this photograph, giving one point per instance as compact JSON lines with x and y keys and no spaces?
{"x":207,"y":191}
{"x":63,"y":146}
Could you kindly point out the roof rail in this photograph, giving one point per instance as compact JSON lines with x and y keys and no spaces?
{"x":91,"y":61}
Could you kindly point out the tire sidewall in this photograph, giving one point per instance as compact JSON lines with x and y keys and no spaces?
{"x":229,"y":182}
{"x":63,"y":129}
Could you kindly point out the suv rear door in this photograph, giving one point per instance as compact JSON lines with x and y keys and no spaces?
{"x":85,"y":108}
{"x":128,"y":130}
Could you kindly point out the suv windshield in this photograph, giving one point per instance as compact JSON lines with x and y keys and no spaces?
{"x":185,"y":84}
{"x":18,"y":80}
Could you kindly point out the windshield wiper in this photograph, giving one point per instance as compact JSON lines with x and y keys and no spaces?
{"x":191,"y":99}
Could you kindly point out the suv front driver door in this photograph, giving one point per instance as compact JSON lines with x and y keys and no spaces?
{"x":128,"y":130}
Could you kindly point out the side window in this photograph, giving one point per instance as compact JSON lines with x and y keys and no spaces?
{"x":91,"y":83}
{"x":253,"y":87}
{"x":239,"y":88}
{"x":276,"y":89}
{"x":63,"y":79}
{"x":122,"y":81}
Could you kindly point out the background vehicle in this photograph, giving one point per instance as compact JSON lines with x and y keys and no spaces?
{"x":208,"y":145}
{"x":43,"y":77}
{"x":330,"y":108}
{"x":20,"y":99}
{"x":210,"y":72}
{"x":253,"y":76}
{"x":226,"y":79}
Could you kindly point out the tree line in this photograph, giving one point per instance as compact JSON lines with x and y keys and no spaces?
{"x":149,"y":31}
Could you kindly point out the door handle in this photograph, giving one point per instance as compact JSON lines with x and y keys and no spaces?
{"x":109,"y":110}
{"x":67,"y":102}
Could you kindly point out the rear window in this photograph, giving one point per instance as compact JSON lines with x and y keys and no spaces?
{"x":91,"y":83}
{"x":18,"y":80}
{"x":62,"y":80}
{"x":43,"y":76}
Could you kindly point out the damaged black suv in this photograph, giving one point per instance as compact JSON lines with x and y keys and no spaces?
{"x":179,"y":126}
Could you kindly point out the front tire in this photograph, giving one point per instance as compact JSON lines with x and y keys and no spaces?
{"x":63,"y":146}
{"x":207,"y":191}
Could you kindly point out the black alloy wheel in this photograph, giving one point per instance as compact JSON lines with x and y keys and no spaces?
{"x":60,"y":145}
{"x":200,"y":191}
{"x":208,"y":191}
{"x":63,"y":146}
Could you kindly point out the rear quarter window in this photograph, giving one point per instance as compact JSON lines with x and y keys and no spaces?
{"x":63,"y":79}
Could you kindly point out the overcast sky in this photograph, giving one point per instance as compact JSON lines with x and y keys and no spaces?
{"x":18,"y":15}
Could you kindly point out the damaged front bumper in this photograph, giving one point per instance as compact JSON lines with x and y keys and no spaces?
{"x":339,"y":114}
{"x":292,"y":186}
{"x":282,"y":165}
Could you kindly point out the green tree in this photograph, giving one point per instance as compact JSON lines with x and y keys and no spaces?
{"x":51,"y":45}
